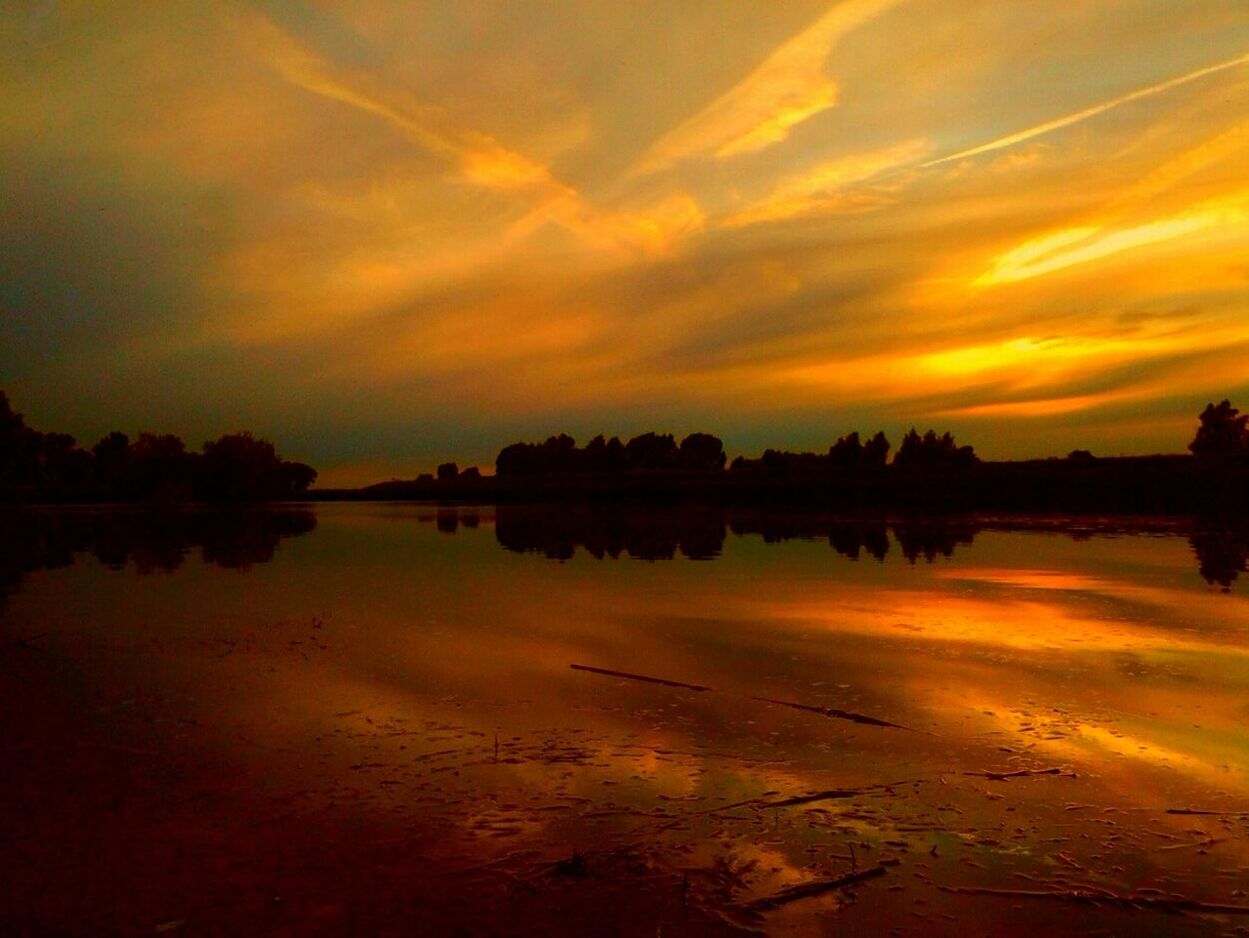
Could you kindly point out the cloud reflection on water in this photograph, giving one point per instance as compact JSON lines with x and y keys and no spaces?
{"x":368,"y":668}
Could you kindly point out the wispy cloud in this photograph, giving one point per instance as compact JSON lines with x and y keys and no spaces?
{"x":431,"y":225}
{"x":481,"y":160}
{"x":1050,"y":406}
{"x":829,"y":187}
{"x":1188,"y":163}
{"x":1054,"y":252}
{"x":786,"y":89}
{"x":1088,"y":112}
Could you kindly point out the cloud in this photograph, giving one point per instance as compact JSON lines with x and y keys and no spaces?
{"x":393,"y":229}
{"x":1021,"y":375}
{"x":1048,"y":407}
{"x":482,"y":161}
{"x":647,"y":230}
{"x":786,"y":89}
{"x":1086,"y":113}
{"x":1054,"y":252}
{"x":368,"y":247}
{"x":829,"y":187}
{"x":479,"y":158}
{"x":1188,"y":163}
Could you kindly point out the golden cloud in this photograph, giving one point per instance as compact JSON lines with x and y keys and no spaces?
{"x":788,"y":88}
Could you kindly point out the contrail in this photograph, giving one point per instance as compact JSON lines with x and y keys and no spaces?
{"x":1093,"y":111}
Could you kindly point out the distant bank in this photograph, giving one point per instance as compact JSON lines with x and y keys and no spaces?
{"x":928,"y":473}
{"x":1129,"y":484}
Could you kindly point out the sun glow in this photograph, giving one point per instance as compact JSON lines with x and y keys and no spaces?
{"x":859,"y":211}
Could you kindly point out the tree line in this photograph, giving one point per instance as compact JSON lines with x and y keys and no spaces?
{"x":703,"y":453}
{"x":850,"y":453}
{"x":48,"y":466}
{"x":38,"y":466}
{"x":1222,"y":433}
{"x":560,"y":455}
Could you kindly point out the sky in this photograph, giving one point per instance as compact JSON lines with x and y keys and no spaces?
{"x":388,"y":234}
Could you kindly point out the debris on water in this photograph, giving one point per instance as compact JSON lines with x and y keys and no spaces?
{"x":835,"y":713}
{"x":1020,"y":773}
{"x":808,"y":890}
{"x":832,"y":712}
{"x":1092,"y":895}
{"x":574,"y":867}
{"x":639,"y":677}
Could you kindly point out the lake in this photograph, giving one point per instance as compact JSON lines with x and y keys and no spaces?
{"x":410,"y":719}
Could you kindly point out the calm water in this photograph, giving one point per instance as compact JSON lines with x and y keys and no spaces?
{"x":365,"y":719}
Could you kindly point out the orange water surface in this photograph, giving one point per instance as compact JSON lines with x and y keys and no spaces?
{"x":364,"y":719}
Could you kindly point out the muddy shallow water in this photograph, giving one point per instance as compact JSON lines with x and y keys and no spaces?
{"x":366,"y":719}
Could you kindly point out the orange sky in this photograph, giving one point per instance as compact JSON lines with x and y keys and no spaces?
{"x":383,"y":234}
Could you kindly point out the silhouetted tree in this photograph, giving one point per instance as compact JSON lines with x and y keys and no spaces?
{"x":472,"y":472}
{"x":10,"y":421}
{"x":51,"y":466}
{"x":65,"y":471}
{"x":849,"y":452}
{"x":241,"y":467}
{"x":594,"y":455}
{"x":448,"y":471}
{"x":778,"y":462}
{"x":515,"y":459}
{"x":1223,"y":431}
{"x":602,"y":455}
{"x":703,"y":452}
{"x":846,"y":452}
{"x":161,"y":467}
{"x":774,"y":461}
{"x":616,"y":460}
{"x":19,"y":451}
{"x":557,"y":454}
{"x":875,"y":451}
{"x":652,"y":451}
{"x":112,"y":466}
{"x":932,"y":452}
{"x":298,"y":477}
{"x":560,"y":453}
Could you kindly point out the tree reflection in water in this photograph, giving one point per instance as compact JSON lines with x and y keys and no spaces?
{"x":156,"y":541}
{"x":1222,"y":555}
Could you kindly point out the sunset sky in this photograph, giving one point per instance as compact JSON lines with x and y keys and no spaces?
{"x":384,"y":234}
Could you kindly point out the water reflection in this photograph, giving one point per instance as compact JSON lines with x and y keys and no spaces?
{"x":155,"y":541}
{"x":699,"y":533}
{"x":611,"y":530}
{"x":1222,"y":555}
{"x":380,"y":725}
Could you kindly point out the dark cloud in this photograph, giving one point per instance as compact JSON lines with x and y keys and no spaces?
{"x":95,"y":253}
